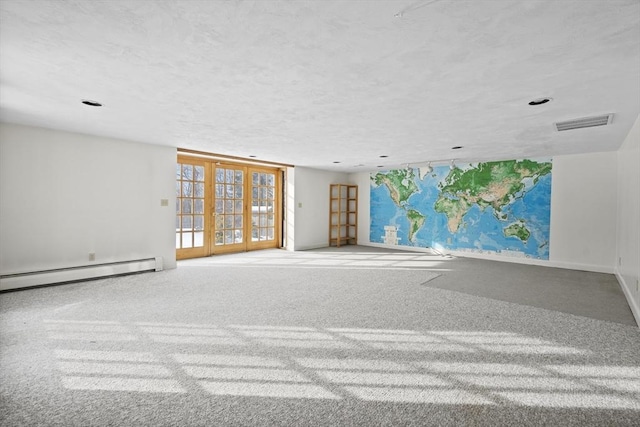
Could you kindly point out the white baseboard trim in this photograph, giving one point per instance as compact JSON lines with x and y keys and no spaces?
{"x":83,"y":272}
{"x":396,"y":247}
{"x":308,"y":247}
{"x":626,"y":288}
{"x":492,"y":257}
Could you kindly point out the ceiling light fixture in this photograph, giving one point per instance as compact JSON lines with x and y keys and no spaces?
{"x":336,"y":162}
{"x":91,"y":103}
{"x":457,"y":147}
{"x":540,"y":101}
{"x":383,"y":156}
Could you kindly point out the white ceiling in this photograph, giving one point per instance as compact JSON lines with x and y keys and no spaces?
{"x":313,"y":82}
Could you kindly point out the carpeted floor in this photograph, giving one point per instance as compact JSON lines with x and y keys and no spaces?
{"x":349,"y":336}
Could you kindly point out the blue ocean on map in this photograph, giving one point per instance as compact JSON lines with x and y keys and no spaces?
{"x":480,"y":230}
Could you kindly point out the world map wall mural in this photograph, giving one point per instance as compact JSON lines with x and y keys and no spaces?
{"x":501,"y":207}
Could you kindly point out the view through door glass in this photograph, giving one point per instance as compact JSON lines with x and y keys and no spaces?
{"x":264,"y":209}
{"x":226,"y":207}
{"x":229,"y":196}
{"x":190,"y":209}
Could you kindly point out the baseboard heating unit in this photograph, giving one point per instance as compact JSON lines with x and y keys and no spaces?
{"x":71,"y":274}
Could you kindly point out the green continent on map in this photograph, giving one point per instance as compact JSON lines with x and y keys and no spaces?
{"x":491,"y":184}
{"x":454,"y":209}
{"x":517,"y":229}
{"x":400,"y":183}
{"x":416,"y":221}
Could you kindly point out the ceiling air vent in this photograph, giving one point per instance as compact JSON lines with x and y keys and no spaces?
{"x":585,"y":122}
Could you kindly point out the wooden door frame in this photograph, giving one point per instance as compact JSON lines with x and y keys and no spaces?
{"x":278,"y":209}
{"x":209,"y":247}
{"x":201,"y":251}
{"x":236,"y":247}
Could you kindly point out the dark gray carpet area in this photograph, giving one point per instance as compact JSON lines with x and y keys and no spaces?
{"x":353,"y":336}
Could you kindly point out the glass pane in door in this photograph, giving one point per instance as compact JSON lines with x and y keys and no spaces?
{"x":229,"y":218}
{"x":263,"y":197}
{"x":189,"y":206}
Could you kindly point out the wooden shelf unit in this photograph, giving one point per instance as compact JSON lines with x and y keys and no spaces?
{"x":343,"y":214}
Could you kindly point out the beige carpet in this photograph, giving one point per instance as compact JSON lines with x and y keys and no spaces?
{"x":312,"y":338}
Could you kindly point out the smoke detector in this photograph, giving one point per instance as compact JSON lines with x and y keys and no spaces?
{"x":585,"y":122}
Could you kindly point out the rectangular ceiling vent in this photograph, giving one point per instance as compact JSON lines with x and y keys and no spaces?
{"x":586,"y":122}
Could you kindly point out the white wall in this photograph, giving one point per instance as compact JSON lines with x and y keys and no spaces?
{"x":363,"y":181}
{"x":64,"y":195}
{"x":583,"y":213}
{"x":628,"y":232}
{"x":290,"y":210}
{"x":311,"y":206}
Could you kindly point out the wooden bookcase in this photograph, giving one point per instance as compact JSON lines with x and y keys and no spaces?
{"x":343,"y":215}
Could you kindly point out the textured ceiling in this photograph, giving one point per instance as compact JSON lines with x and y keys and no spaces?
{"x":313,"y":82}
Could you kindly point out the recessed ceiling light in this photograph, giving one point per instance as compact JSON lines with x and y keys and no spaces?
{"x":251,"y":155}
{"x":336,"y":162}
{"x":379,"y":166}
{"x":383,"y":156}
{"x":457,"y":147}
{"x":540,"y":101}
{"x":91,"y":103}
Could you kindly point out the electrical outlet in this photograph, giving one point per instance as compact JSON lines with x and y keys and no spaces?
{"x":92,"y":256}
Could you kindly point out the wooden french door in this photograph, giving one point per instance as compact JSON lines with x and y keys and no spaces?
{"x":192,"y":219}
{"x":265,"y":202}
{"x":226,"y":207}
{"x":229,"y":211}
